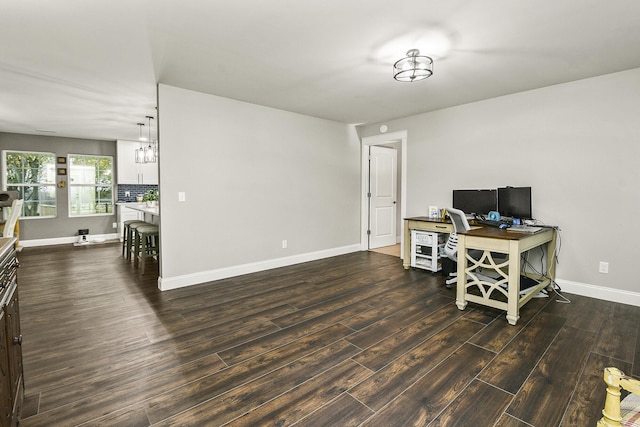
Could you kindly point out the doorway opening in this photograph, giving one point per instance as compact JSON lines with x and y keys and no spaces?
{"x":397,"y":140}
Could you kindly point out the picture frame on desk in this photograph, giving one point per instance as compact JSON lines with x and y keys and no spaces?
{"x":434,"y":212}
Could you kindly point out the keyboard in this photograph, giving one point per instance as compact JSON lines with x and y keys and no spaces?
{"x":525,"y":229}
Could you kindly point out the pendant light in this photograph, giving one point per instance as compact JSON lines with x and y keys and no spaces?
{"x":140,"y":151}
{"x":149,"y":150}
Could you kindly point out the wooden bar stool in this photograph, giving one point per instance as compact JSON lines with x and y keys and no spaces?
{"x":134,"y":245}
{"x":127,"y":236}
{"x":146,"y":245}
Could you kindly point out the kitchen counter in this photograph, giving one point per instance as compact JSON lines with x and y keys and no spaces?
{"x":6,"y":244}
{"x":141,"y":207}
{"x":151,"y":215}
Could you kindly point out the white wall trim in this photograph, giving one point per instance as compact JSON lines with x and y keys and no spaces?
{"x":63,"y":240}
{"x":600,"y":292}
{"x":237,"y":270}
{"x":364,"y":204}
{"x":583,"y":289}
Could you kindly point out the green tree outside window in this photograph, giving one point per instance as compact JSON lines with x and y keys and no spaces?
{"x":33,"y":176}
{"x":90,"y":185}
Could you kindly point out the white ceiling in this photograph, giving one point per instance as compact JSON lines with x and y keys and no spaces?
{"x":89,"y":69}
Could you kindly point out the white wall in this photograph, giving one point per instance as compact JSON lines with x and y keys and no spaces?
{"x":253,"y":176}
{"x":576,"y":144}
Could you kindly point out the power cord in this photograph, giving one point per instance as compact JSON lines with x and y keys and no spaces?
{"x":544,"y":293}
{"x":556,"y":288}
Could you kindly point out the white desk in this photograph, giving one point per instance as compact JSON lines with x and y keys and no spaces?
{"x":490,"y":240}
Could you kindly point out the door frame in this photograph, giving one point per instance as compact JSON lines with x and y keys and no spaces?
{"x":364,"y":209}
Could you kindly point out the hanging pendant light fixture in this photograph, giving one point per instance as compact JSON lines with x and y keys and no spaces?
{"x":140,"y":151}
{"x":413,"y":67}
{"x":155,"y":148}
{"x":149,"y":150}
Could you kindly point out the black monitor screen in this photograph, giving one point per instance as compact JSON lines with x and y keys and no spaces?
{"x":515,"y":202}
{"x":479,"y":202}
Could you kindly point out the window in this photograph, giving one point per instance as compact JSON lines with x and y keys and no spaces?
{"x":33,"y":175}
{"x":90,"y":185}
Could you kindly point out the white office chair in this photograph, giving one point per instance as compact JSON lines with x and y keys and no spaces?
{"x":451,"y":251}
{"x":14,"y":214}
{"x":460,"y":223}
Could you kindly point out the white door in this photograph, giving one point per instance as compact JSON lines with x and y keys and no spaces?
{"x":382,"y":202}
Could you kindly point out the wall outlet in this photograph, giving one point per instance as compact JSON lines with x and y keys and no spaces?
{"x":127,"y":194}
{"x":114,"y":225}
{"x":284,"y":244}
{"x":604,"y":267}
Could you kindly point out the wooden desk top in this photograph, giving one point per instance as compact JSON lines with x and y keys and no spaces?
{"x":500,"y":233}
{"x":480,"y":230}
{"x":428,"y":219}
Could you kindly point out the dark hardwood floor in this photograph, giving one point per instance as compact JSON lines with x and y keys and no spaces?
{"x":350,"y":340}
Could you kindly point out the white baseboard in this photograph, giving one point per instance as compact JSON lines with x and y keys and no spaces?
{"x":583,"y":289}
{"x":167,"y":283}
{"x":600,"y":292}
{"x":64,"y":240}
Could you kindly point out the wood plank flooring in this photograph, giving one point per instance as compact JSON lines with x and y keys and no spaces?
{"x":346,"y":341}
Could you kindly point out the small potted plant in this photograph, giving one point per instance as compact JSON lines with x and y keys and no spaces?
{"x":151,"y":197}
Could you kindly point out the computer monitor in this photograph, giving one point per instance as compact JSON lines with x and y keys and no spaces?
{"x":515,"y":202}
{"x":478,"y":202}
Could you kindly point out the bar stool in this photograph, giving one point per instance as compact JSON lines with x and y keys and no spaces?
{"x":127,"y":236}
{"x":146,"y":244}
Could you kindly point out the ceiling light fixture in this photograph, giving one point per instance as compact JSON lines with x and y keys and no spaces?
{"x":140,"y":151}
{"x":142,"y":137}
{"x":413,"y":67}
{"x":149,"y":150}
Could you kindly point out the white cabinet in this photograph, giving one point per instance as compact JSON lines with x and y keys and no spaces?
{"x":130,"y":172}
{"x":125,"y":214}
{"x":427,"y":249}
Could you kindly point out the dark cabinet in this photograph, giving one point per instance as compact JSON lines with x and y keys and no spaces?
{"x":14,"y":344}
{"x":11,"y":370}
{"x":6,"y":404}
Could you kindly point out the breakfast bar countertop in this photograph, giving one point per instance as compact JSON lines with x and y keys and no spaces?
{"x":6,"y":243}
{"x":154,"y":211}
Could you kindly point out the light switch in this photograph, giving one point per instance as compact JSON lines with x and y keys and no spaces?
{"x":182,"y":196}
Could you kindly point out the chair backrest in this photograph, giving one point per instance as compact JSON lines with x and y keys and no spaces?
{"x":459,"y":220}
{"x":451,"y":247}
{"x":460,"y":223}
{"x":10,"y":224}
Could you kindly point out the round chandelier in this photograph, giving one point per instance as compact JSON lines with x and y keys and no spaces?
{"x":413,"y":67}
